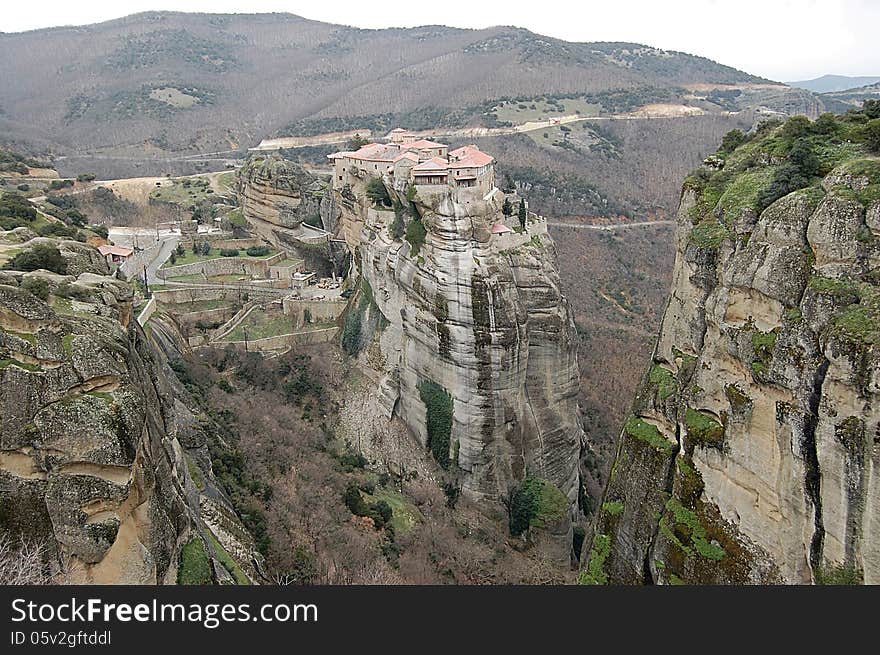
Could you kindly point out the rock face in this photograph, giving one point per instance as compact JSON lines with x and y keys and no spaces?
{"x":97,"y":451}
{"x":278,"y":195}
{"x":454,"y":316}
{"x":752,"y":453}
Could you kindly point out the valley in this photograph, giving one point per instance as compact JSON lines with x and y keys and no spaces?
{"x":284,"y":302}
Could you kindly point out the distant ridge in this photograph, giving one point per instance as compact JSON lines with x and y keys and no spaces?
{"x":834,"y":83}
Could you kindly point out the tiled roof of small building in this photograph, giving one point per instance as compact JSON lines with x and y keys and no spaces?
{"x":469,"y":157}
{"x":119,"y":251}
{"x":437,"y":164}
{"x":422,"y":144}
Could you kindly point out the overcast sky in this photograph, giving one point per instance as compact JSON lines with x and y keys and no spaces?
{"x":781,"y":39}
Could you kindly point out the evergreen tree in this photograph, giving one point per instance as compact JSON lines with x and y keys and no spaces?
{"x":522,"y":214}
{"x":506,"y":207}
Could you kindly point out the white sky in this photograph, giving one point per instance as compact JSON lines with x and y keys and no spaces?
{"x":780,"y":39}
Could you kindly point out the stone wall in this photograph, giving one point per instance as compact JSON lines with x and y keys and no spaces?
{"x":224,"y":266}
{"x":321,"y":311}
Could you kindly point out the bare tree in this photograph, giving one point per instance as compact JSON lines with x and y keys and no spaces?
{"x":22,"y":562}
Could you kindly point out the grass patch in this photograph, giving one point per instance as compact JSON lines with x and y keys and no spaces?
{"x":404,"y":515}
{"x":260,"y":324}
{"x":228,"y":562}
{"x":5,"y":363}
{"x":708,"y":234}
{"x":195,"y":473}
{"x":742,"y":193}
{"x":195,"y":565}
{"x":664,"y":381}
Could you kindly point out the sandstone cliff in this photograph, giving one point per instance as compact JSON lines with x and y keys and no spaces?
{"x":468,"y":336}
{"x":102,"y":463}
{"x":281,"y":202}
{"x":752,"y":452}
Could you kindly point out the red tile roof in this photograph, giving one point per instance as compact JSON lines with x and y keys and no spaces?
{"x":371,"y":152}
{"x":424,"y":144}
{"x":469,"y":157}
{"x":119,"y":251}
{"x":500,"y":228}
{"x":436,"y":164}
{"x":407,"y":155}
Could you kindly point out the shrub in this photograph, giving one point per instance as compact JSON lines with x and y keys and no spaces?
{"x":731,"y":141}
{"x":415,"y":235}
{"x":351,"y":333}
{"x":58,"y":230}
{"x":796,"y":173}
{"x":100,"y":230}
{"x":85,"y":177}
{"x":229,"y":252}
{"x":535,"y":502}
{"x":24,"y":187}
{"x":14,"y":205}
{"x":383,"y":509}
{"x":354,"y":501}
{"x":42,"y":256}
{"x":871,"y":135}
{"x":377,"y":192}
{"x":55,"y":185}
{"x":67,"y":290}
{"x":397,"y":226}
{"x":439,"y":409}
{"x":506,"y":207}
{"x":37,"y":286}
{"x":258,"y":251}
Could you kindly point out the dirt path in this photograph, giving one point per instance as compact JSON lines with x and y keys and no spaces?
{"x":643,"y":113}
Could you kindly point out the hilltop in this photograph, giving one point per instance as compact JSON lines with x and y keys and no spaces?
{"x":834,"y":83}
{"x":159,"y":82}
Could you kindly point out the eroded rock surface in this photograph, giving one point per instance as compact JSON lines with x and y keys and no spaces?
{"x":752,"y":454}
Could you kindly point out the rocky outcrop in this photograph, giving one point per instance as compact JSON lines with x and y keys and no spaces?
{"x":463,"y":325}
{"x":278,"y":195}
{"x":102,"y":462}
{"x":280,"y":200}
{"x":752,"y":453}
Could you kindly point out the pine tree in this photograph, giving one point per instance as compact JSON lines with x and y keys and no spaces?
{"x":522,"y":214}
{"x":506,"y":207}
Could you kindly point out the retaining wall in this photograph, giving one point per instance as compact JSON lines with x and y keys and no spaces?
{"x":223,"y":266}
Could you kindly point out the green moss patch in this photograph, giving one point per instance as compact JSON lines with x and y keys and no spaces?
{"x":664,"y":381}
{"x":613,"y":508}
{"x":708,"y":234}
{"x":639,"y":429}
{"x":702,"y":429}
{"x":687,"y":521}
{"x":595,"y":573}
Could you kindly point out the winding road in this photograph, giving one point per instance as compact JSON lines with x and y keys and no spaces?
{"x":608,"y":228}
